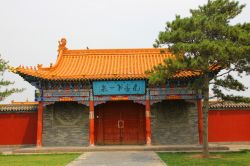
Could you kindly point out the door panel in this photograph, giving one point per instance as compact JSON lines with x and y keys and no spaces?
{"x":112,"y":134}
{"x":120,"y":122}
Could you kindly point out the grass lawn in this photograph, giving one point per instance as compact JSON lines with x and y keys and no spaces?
{"x":37,"y":159}
{"x":241,"y":158}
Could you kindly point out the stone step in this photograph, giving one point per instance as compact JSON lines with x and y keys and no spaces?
{"x":169,"y":148}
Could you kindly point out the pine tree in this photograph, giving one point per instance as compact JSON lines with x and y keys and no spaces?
{"x":202,"y":41}
{"x":5,"y":91}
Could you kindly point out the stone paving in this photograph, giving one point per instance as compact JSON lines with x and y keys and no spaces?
{"x":118,"y":158}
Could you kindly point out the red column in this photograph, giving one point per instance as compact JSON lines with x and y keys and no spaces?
{"x":200,"y":121}
{"x":148,"y":121}
{"x":91,"y":123}
{"x":39,"y":124}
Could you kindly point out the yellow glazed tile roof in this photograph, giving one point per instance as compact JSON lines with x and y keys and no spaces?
{"x":19,"y":107}
{"x":97,"y":64}
{"x":101,"y":64}
{"x":227,"y":105}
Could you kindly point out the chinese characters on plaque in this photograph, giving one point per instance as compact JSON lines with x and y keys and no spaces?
{"x":119,"y":87}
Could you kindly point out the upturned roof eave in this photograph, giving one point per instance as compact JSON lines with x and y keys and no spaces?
{"x":36,"y":78}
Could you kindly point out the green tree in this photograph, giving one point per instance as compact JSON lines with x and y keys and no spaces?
{"x":5,"y":91}
{"x":201,"y":42}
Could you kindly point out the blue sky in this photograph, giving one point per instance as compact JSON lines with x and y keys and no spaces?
{"x":30,"y":29}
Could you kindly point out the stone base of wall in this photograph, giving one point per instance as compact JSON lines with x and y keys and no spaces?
{"x":174,"y":122}
{"x":66,"y":124}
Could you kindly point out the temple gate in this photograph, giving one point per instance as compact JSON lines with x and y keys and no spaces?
{"x":110,"y":89}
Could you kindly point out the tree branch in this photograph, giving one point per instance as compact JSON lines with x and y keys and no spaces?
{"x":230,"y":70}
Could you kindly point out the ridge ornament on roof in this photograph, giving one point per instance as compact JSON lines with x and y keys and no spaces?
{"x":62,"y":45}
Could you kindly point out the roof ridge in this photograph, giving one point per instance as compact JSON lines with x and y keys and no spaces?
{"x":129,"y":54}
{"x":102,"y":49}
{"x":116,"y":51}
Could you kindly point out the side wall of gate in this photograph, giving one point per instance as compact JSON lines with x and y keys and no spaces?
{"x":174,"y":122}
{"x":66,"y":124}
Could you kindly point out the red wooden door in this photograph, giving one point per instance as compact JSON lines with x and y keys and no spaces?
{"x":120,"y":122}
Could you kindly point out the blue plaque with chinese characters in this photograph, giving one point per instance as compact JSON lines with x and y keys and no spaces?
{"x":119,"y":87}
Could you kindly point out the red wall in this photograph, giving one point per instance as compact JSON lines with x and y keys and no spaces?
{"x":223,"y":126}
{"x":229,"y":126}
{"x":18,"y":128}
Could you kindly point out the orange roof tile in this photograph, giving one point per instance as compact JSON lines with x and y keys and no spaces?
{"x":96,"y":64}
{"x":227,"y":105}
{"x":19,"y":107}
{"x":23,"y":102}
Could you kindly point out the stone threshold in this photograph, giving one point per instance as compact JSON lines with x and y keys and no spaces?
{"x":166,"y":148}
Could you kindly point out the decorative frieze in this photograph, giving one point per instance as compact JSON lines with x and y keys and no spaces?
{"x":104,"y":91}
{"x":171,"y":91}
{"x":62,"y":93}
